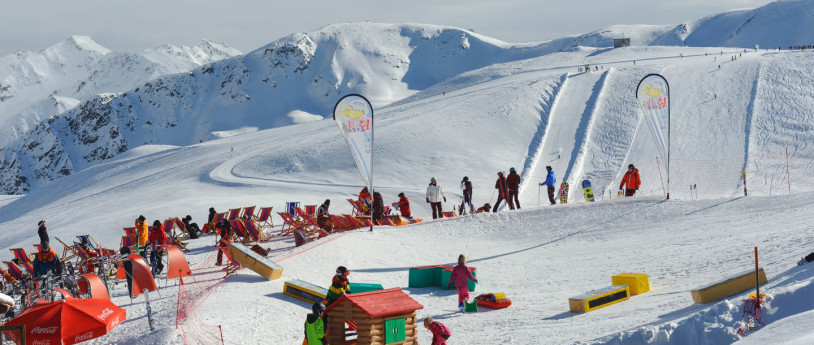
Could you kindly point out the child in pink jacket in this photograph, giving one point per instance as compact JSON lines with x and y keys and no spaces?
{"x":461,"y":276}
{"x":440,"y":333}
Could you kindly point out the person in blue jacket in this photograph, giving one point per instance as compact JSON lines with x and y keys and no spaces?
{"x":550,"y":181}
{"x":46,"y":261}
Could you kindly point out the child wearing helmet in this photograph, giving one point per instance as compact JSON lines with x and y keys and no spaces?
{"x":466,"y":190}
{"x":339,"y":285}
{"x":315,"y":326}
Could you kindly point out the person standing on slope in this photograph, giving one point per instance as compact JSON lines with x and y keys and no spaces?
{"x":632,"y":180}
{"x":324,"y":216}
{"x":378,"y":208}
{"x":460,"y":277}
{"x":466,"y":189}
{"x":43,"y":232}
{"x":403,"y":205}
{"x":339,"y":285}
{"x":513,"y":185}
{"x":142,"y":233}
{"x":315,"y":325}
{"x":550,"y":182}
{"x":500,"y":185}
{"x":434,"y":196}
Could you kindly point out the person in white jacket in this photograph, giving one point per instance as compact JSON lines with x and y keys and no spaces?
{"x":434,"y":197}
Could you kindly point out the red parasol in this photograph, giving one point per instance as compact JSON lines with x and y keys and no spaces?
{"x":67,"y":321}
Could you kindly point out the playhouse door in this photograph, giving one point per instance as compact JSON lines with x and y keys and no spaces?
{"x":394,"y":331}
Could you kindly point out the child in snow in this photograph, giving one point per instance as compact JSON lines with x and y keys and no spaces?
{"x":339,"y":285}
{"x":315,"y":326}
{"x":486,"y":208}
{"x":440,"y":333}
{"x":461,"y":277}
{"x":403,"y":205}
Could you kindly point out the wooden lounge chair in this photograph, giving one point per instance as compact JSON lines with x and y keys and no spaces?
{"x":7,"y":277}
{"x":248,"y":212}
{"x":15,"y":271}
{"x":264,"y":218}
{"x":239,"y":229}
{"x":340,"y":224}
{"x":25,"y":258}
{"x":219,"y":217}
{"x":130,"y":232}
{"x":448,"y":214}
{"x":253,"y":232}
{"x":233,"y":214}
{"x":310,"y":223}
{"x":290,"y":223}
{"x":311,"y":210}
{"x":357,"y":208}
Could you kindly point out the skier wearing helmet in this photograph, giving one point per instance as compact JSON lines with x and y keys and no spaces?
{"x":466,"y":188}
{"x":339,"y":285}
{"x":513,"y":185}
{"x":315,"y":326}
{"x":632,"y":180}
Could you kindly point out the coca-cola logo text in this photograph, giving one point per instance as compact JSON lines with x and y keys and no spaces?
{"x":82,"y":337}
{"x":105,"y":313}
{"x":44,"y":330}
{"x":41,"y":342}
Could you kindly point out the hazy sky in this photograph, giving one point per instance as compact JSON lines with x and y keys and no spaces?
{"x":135,"y":25}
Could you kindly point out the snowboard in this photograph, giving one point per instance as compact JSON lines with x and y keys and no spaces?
{"x":588,"y":190}
{"x":564,"y":192}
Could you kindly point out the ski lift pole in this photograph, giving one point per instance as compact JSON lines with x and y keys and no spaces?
{"x":757,"y":280}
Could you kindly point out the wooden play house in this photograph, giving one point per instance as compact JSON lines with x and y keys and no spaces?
{"x":384,"y":317}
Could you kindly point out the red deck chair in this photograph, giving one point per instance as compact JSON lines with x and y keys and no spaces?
{"x":254,"y":232}
{"x":233,"y":213}
{"x":231,"y":265}
{"x":24,"y":257}
{"x":311,"y":210}
{"x":340,"y":223}
{"x":130,"y":232}
{"x":264,"y":218}
{"x":357,"y":208}
{"x":289,"y":224}
{"x":239,"y":228}
{"x":7,"y":277}
{"x":218,"y":217}
{"x":37,"y":247}
{"x":15,"y":271}
{"x":129,"y":242}
{"x":310,"y":223}
{"x":248,"y":212}
{"x":448,"y":214}
{"x":363,"y":221}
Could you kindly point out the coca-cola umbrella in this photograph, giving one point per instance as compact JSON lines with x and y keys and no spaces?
{"x":67,"y":321}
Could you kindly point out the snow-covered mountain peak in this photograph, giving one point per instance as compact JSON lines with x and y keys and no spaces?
{"x":86,"y":43}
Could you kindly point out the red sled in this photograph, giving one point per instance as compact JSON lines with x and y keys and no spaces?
{"x":489,"y":301}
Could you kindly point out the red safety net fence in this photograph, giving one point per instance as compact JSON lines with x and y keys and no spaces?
{"x":191,"y":294}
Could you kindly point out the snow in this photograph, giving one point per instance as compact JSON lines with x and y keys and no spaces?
{"x":479,"y":119}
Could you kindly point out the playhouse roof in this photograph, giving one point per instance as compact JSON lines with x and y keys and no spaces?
{"x":380,"y":303}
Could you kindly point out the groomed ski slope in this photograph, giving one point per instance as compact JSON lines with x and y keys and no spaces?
{"x":488,"y":120}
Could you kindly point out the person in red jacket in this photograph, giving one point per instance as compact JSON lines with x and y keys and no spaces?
{"x":440,"y":333}
{"x":513,"y":186}
{"x":632,"y":180}
{"x":500,"y":185}
{"x":403,"y":205}
{"x":156,"y":242}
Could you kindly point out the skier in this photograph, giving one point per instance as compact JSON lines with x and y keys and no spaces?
{"x":632,"y":180}
{"x":513,"y":183}
{"x":142,"y":232}
{"x":466,"y":189}
{"x":500,"y":185}
{"x":461,"y":275}
{"x":324,"y":217}
{"x":403,"y":205}
{"x":434,"y":196}
{"x":315,"y":326}
{"x":339,"y":285}
{"x":157,"y":239}
{"x":378,"y":207}
{"x":440,"y":332}
{"x":43,"y":232}
{"x":550,"y":182}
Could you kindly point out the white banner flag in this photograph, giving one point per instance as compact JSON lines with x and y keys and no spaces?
{"x":653,"y":94}
{"x":354,"y":116}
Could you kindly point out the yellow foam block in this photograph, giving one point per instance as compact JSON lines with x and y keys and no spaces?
{"x":599,"y":298}
{"x":305,"y":291}
{"x":636,"y":282}
{"x":728,"y":287}
{"x":255,"y":262}
{"x":500,"y":295}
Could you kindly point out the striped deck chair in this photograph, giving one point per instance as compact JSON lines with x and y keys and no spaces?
{"x":91,"y":242}
{"x":289,"y":224}
{"x":218,"y":217}
{"x":129,"y":242}
{"x":37,"y":247}
{"x":340,"y":224}
{"x":357,"y":208}
{"x":310,"y":223}
{"x":15,"y":271}
{"x":264,"y":218}
{"x":248,"y":212}
{"x":130,"y":232}
{"x":232,"y":214}
{"x":7,"y":277}
{"x":289,"y":206}
{"x":239,"y":229}
{"x":311,"y":210}
{"x":254,"y":232}
{"x":363,"y":220}
{"x":448,"y":214}
{"x":350,"y":219}
{"x":24,"y":257}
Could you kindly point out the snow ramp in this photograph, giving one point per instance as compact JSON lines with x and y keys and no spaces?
{"x":567,"y":129}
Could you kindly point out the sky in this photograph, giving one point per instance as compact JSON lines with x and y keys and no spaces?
{"x":133,"y":26}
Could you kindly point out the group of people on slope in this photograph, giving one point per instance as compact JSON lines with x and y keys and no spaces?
{"x":151,"y":237}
